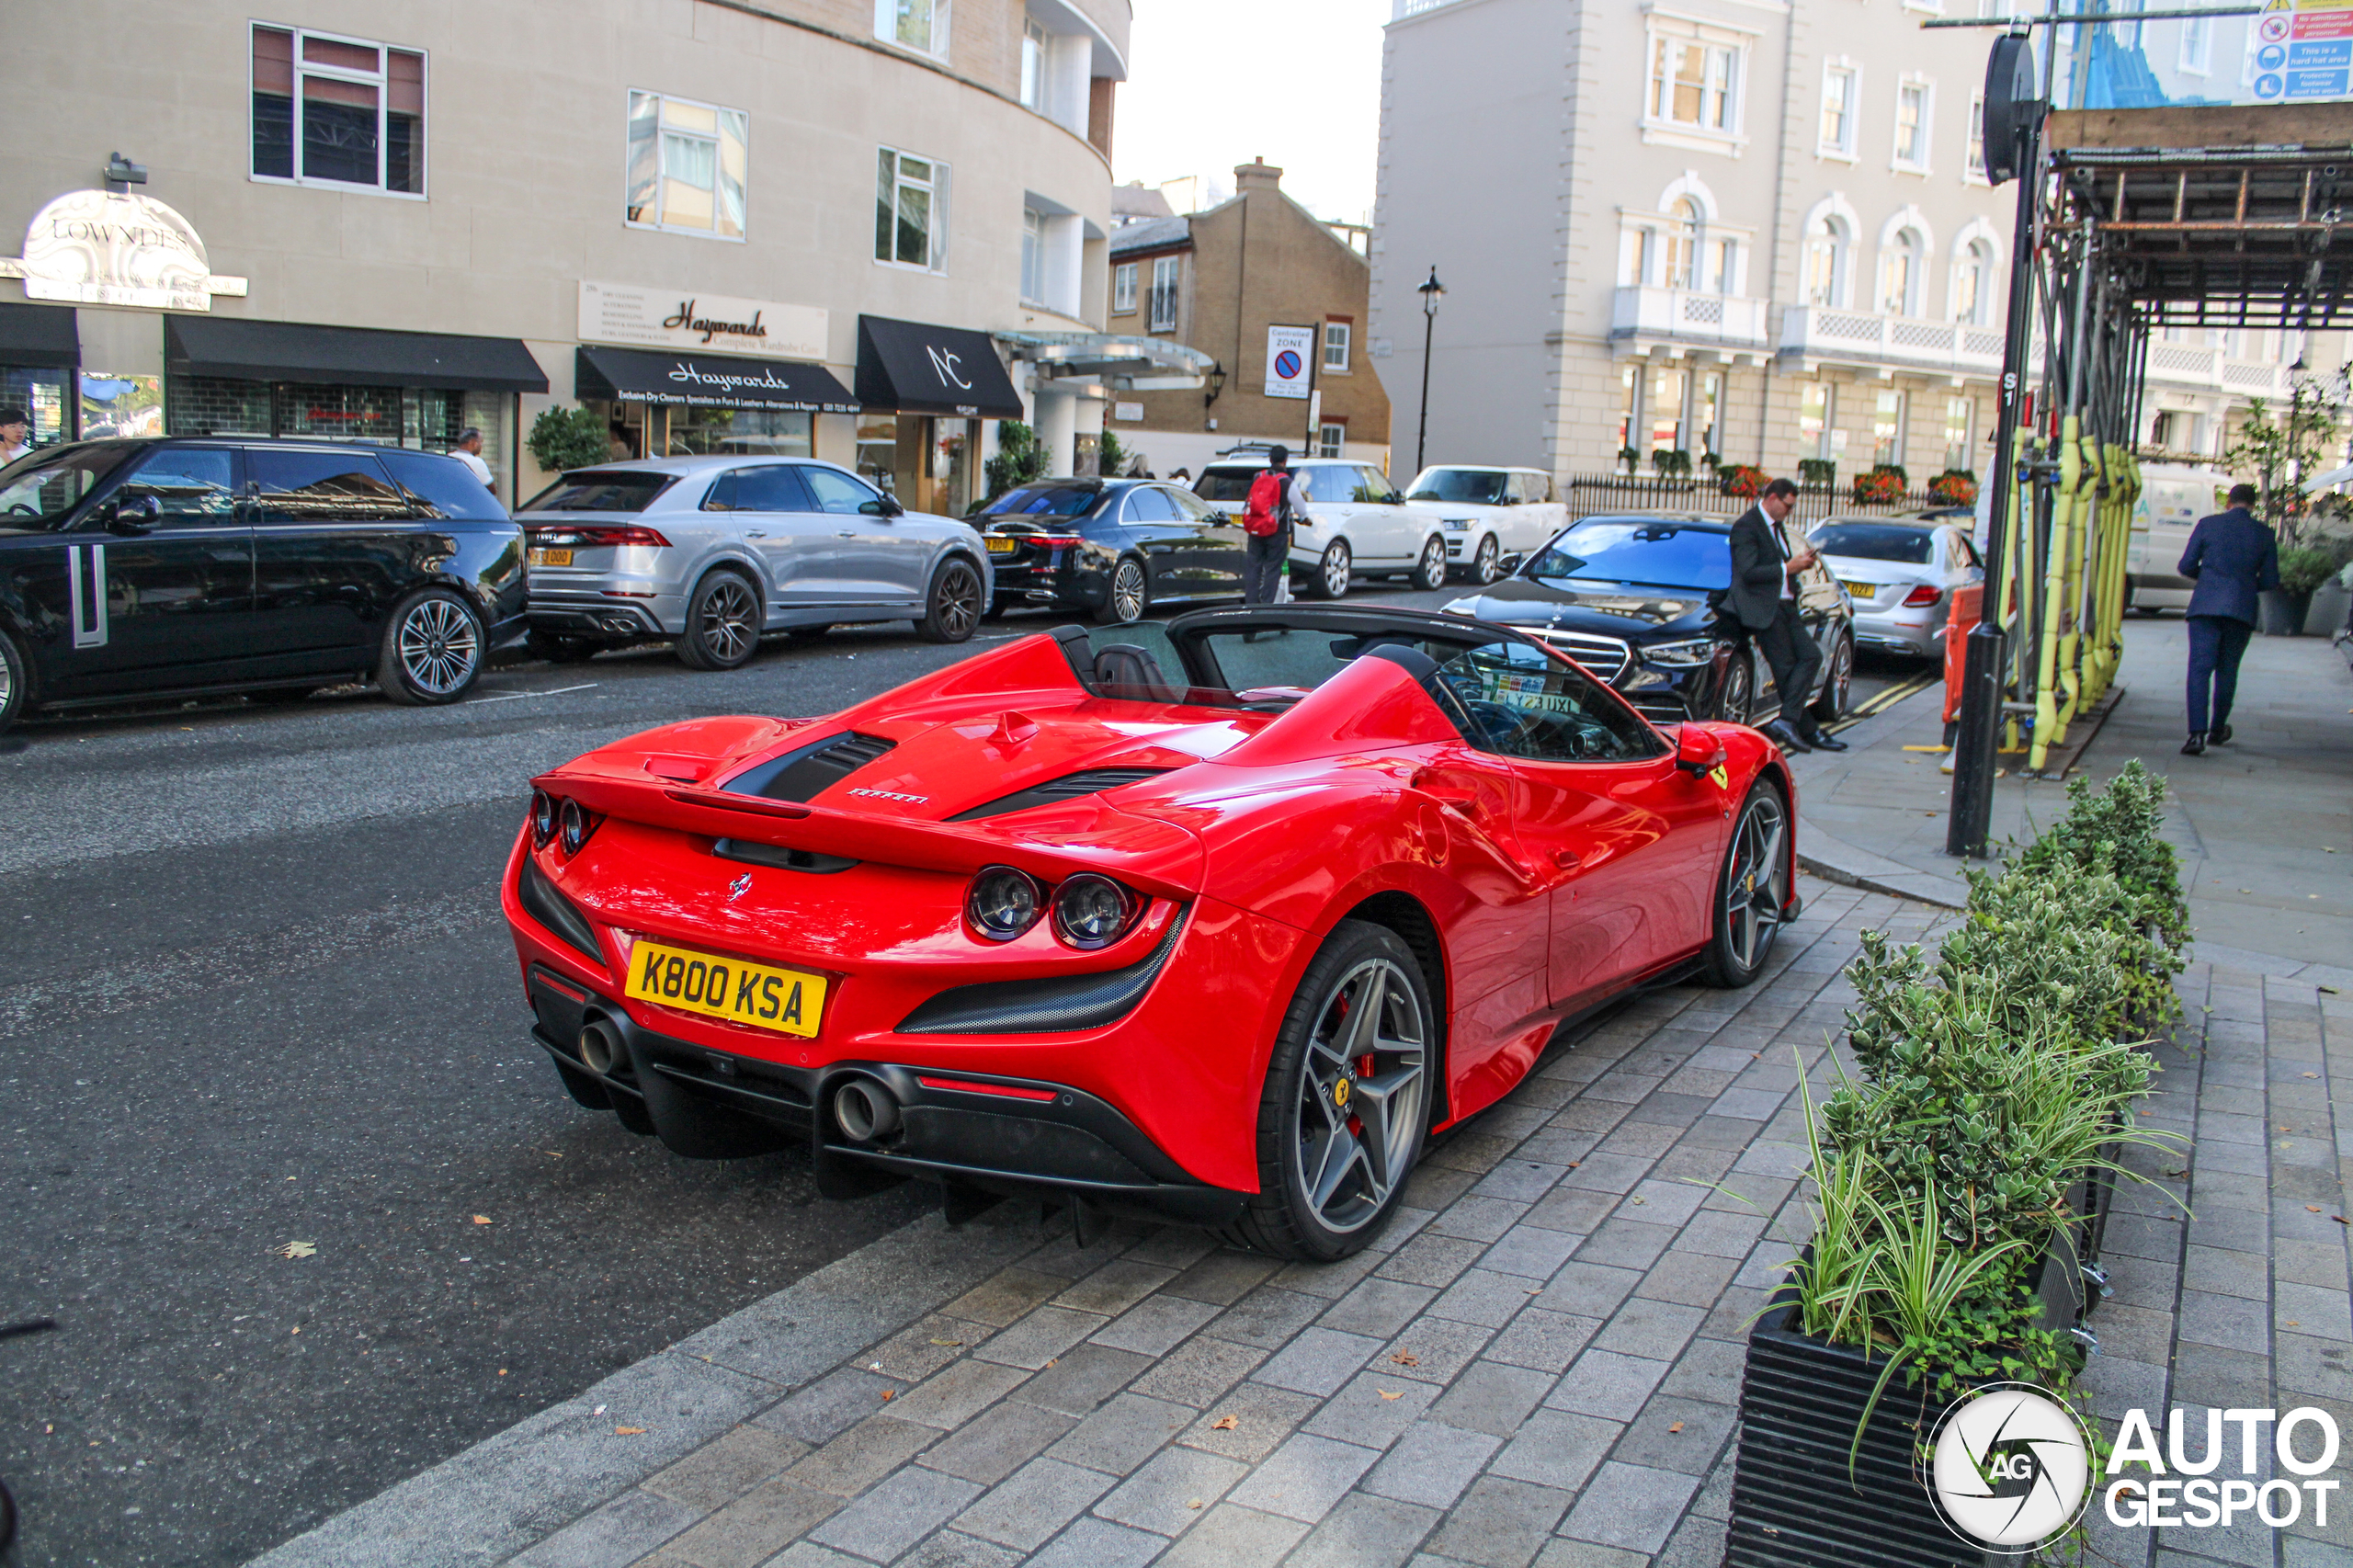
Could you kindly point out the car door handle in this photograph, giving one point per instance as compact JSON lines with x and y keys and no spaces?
{"x":846,"y":533}
{"x":755,"y":533}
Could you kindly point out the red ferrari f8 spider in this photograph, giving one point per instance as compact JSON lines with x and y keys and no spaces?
{"x":1217,"y":920}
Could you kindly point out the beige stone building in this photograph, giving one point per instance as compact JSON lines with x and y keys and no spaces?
{"x":1216,"y":281}
{"x":828,"y":226}
{"x":1756,"y":228}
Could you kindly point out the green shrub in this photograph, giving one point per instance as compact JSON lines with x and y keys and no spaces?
{"x":2302,"y":571}
{"x":568,"y":437}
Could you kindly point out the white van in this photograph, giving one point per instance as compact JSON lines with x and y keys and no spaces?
{"x":2173,"y":497}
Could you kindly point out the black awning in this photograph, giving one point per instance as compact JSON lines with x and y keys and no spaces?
{"x":347,"y":355}
{"x":915,"y":368}
{"x":710,"y":380}
{"x":40,"y":335}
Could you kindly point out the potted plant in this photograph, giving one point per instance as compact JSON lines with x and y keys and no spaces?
{"x":563,"y":438}
{"x":1954,"y":487}
{"x":1674,"y":463}
{"x":1883,"y":485}
{"x":1951,"y":1183}
{"x":2302,"y":572}
{"x":2332,"y":600}
{"x":1631,"y":458}
{"x":1742,"y":482}
{"x":1817,"y":473}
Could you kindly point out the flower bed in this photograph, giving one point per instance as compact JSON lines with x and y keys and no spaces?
{"x":1953,"y":1179}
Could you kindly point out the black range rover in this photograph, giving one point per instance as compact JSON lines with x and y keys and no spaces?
{"x":136,"y":569}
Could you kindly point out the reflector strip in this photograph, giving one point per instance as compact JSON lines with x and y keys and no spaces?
{"x":966,"y":1086}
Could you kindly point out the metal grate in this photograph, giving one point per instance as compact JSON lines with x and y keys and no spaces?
{"x":1605,"y":656}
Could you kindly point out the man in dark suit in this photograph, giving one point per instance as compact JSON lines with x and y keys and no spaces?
{"x":1765,"y":570}
{"x":2232,"y":558}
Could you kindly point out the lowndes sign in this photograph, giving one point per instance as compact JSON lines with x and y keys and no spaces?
{"x":101,"y":247}
{"x":719,"y":323}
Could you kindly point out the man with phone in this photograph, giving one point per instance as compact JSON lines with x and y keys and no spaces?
{"x":1765,"y":571}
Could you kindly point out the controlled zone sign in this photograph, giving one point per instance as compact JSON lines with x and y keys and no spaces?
{"x":1288,"y":368}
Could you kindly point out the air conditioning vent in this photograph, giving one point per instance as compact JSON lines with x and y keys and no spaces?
{"x":1069,"y":787}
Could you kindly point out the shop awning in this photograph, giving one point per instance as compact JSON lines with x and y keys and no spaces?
{"x":915,"y":368}
{"x":347,"y":355}
{"x":40,"y":335}
{"x":710,"y":381}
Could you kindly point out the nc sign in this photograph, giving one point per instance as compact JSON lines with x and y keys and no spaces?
{"x":1288,"y":367}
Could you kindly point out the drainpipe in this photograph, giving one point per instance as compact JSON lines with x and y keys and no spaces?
{"x":1781,"y":199}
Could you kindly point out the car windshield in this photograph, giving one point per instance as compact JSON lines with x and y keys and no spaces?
{"x":40,"y":490}
{"x":1045,"y":501}
{"x":1638,"y":550}
{"x":1875,"y":541}
{"x":1471,"y":486}
{"x":1226,"y":483}
{"x":599,"y":490}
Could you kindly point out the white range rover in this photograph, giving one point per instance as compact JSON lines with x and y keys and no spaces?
{"x":1357,"y":524}
{"x":1488,"y":513}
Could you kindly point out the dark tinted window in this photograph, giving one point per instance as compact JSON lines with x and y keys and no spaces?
{"x":775,"y":487}
{"x":1225,"y":483}
{"x":1190,"y":509}
{"x":443,"y":485}
{"x":835,"y":491}
{"x":1045,"y":500}
{"x":299,"y":487}
{"x":1471,"y":486}
{"x":42,"y":488}
{"x":1520,"y":702}
{"x":1150,"y":503}
{"x":600,"y":490}
{"x":191,"y":484}
{"x":1639,"y":549}
{"x":1875,"y":541}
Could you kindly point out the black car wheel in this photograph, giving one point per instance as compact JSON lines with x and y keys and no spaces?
{"x":1430,"y":571}
{"x":1330,"y":578}
{"x":557,"y":649}
{"x":12,"y":681}
{"x":1346,"y":1099}
{"x":953,"y":606}
{"x":1487,"y":561}
{"x":1753,"y":891}
{"x":1131,"y":593}
{"x":722,"y":622}
{"x":1832,"y":704}
{"x":433,"y":649}
{"x":1739,"y":694}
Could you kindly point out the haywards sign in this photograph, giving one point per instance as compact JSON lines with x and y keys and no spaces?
{"x":101,"y":247}
{"x":625,"y":314}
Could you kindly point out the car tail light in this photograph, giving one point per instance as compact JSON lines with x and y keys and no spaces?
{"x":1922,"y":596}
{"x":1002,"y":903}
{"x":573,"y":823}
{"x":543,"y":814}
{"x":1057,"y":542}
{"x":591,"y":535}
{"x":1093,"y":911}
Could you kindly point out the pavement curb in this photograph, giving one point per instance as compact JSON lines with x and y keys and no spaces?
{"x":512,"y":1489}
{"x":1849,"y":865}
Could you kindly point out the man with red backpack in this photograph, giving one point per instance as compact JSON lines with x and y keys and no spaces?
{"x":1274,"y":504}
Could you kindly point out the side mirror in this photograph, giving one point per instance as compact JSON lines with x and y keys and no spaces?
{"x":1698,"y":752}
{"x":883,"y":506}
{"x":1511,"y":564}
{"x":131,"y":517}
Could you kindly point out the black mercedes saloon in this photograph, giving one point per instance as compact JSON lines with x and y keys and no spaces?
{"x":132,"y":570}
{"x":1638,"y":601}
{"x":1109,"y":548}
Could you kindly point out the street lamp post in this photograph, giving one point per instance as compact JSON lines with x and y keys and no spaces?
{"x":1431,"y":292}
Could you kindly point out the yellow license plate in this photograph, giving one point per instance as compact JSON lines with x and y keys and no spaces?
{"x":789,"y":1001}
{"x":551,"y":558}
{"x":1863,"y":590}
{"x":1002,"y":546}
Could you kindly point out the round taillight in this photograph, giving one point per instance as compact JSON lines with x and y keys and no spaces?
{"x":1092,"y":910}
{"x":542,"y":818}
{"x":572,"y":826}
{"x":1003,"y":903}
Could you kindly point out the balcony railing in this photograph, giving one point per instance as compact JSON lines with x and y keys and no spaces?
{"x":1815,"y":332}
{"x":2208,"y":369}
{"x":1689,"y":317}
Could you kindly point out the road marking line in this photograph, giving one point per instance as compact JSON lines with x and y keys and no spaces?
{"x":518,"y":695}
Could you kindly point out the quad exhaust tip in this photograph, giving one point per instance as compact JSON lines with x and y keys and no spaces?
{"x":865,"y":1110}
{"x":601,"y":1048}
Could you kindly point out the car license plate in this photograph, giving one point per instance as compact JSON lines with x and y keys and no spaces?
{"x":551,"y":558}
{"x":1863,"y":590}
{"x":789,"y":1001}
{"x":999,"y":546}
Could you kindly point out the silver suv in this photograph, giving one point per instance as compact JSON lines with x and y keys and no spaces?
{"x":1356,"y":523}
{"x":715,"y":552}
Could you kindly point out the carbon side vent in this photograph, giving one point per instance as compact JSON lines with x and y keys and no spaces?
{"x":799,"y":774}
{"x":1069,"y":787}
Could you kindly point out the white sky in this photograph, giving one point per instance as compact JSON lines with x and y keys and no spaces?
{"x":1213,"y":83}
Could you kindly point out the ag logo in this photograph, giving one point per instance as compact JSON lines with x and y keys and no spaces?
{"x":2009,"y":1469}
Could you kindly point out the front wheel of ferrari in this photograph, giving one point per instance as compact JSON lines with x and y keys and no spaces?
{"x":1752,"y":891}
{"x":1346,"y":1099}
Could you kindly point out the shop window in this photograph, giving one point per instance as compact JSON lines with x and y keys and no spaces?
{"x":706,"y":432}
{"x":910,"y":211}
{"x":120,"y":405}
{"x":41,"y":393}
{"x":919,"y":25}
{"x":337,"y":111}
{"x":1164,"y":293}
{"x":339,"y":413}
{"x":688,"y":165}
{"x":1124,"y":289}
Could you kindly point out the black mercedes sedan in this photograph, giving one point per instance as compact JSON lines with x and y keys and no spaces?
{"x":1638,"y":601}
{"x":1108,"y":548}
{"x":134,"y":569}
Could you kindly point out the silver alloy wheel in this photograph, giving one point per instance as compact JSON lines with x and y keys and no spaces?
{"x":1127,"y":591}
{"x":1740,"y":690}
{"x":1335,"y":568}
{"x":726,"y":625}
{"x":1756,"y":879}
{"x":956,"y":600}
{"x":1841,"y":681}
{"x":1488,"y":564}
{"x":1362,"y":1095}
{"x":1431,"y":573}
{"x":438,"y":646}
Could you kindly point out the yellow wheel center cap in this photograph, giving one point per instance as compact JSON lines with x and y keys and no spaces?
{"x":1340,"y":1093}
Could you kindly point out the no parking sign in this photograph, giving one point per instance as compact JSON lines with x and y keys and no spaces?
{"x":1287,"y":363}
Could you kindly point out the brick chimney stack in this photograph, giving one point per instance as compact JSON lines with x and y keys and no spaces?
{"x":1256,"y":175}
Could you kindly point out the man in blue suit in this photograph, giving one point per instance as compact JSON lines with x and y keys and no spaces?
{"x":2232,"y":558}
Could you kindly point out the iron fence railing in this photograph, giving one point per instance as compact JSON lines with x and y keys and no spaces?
{"x":1595,"y":495}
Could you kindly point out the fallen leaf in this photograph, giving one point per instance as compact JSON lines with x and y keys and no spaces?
{"x":2311,"y":1207}
{"x":2293,"y":1323}
{"x":1194,"y":1504}
{"x":888,"y":1394}
{"x":1677,"y":1427}
{"x":1407,"y":1358}
{"x":297,"y":1249}
{"x":1224,"y":1423}
{"x":551,"y":1153}
{"x":1572,"y":1165}
{"x":1049,"y":1363}
{"x":952,"y":1343}
{"x":502,"y":1371}
{"x":628,"y":1431}
{"x":1639,"y":1200}
{"x":296,"y":1329}
{"x":1386,"y":1394}
{"x":598,"y":1411}
{"x":2341,"y":1220}
{"x":481,"y":1218}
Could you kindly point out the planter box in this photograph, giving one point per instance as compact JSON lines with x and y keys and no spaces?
{"x":2280,"y":613}
{"x":2325,"y":617}
{"x":1792,"y":1502}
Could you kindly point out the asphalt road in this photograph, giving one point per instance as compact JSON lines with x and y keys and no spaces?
{"x":254,"y":992}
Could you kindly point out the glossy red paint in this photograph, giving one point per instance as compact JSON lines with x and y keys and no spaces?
{"x":1548,"y":886}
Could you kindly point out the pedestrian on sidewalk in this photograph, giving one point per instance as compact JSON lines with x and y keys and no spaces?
{"x":2232,"y":558}
{"x":1273,"y":505}
{"x":1766,"y":566}
{"x":13,"y":444}
{"x":469,"y":451}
